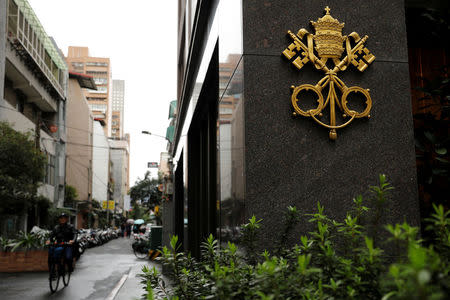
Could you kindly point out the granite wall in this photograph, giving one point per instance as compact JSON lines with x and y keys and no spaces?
{"x":291,"y":161}
{"x":2,"y":46}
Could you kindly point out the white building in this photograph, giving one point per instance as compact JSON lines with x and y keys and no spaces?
{"x":100,"y":163}
{"x":120,"y":158}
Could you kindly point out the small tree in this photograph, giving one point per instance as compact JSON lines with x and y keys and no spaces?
{"x":22,"y":167}
{"x":54,"y":213}
{"x":147,"y":191}
{"x":70,"y":195}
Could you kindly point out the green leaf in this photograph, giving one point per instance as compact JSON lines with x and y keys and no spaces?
{"x":442,"y":160}
{"x":441,"y":151}
{"x":389,"y":295}
{"x":173,"y":242}
{"x":417,"y":256}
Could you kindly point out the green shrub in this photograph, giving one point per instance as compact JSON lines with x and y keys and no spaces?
{"x":26,"y":241}
{"x":318,"y":267}
{"x":5,"y":244}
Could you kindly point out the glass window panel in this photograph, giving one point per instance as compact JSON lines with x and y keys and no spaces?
{"x":13,"y":9}
{"x":25,"y":26}
{"x":12,"y":18}
{"x":30,"y":33}
{"x":230,"y":157}
{"x":55,"y":70}
{"x":35,"y":41}
{"x":48,"y":60}
{"x":21,"y":18}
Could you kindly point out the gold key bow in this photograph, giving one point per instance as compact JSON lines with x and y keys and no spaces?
{"x":328,"y":43}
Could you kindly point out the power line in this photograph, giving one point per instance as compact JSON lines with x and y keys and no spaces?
{"x":80,"y":144}
{"x":87,"y":145}
{"x":84,"y":145}
{"x":93,"y":173}
{"x":72,"y":143}
{"x":87,"y":167}
{"x":57,"y":123}
{"x":77,"y":162}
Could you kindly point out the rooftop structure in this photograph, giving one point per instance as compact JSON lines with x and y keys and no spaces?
{"x":80,"y":61}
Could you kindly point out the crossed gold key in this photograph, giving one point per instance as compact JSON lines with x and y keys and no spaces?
{"x":328,"y":43}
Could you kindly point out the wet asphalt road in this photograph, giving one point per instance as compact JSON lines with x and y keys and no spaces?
{"x":96,"y":274}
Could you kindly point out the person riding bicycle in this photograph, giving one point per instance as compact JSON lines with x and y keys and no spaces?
{"x":64,"y":233}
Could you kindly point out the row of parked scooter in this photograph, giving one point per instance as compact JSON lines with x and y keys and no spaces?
{"x":89,"y":238}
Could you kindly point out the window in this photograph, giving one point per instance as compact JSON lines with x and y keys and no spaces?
{"x":96,"y":99}
{"x":12,"y":17}
{"x":100,"y":80}
{"x":100,"y":89}
{"x":97,"y":72}
{"x":20,"y":104}
{"x":55,"y":70}
{"x":98,"y":107}
{"x":48,"y":60}
{"x":77,"y":65}
{"x":225,"y":110}
{"x":97,"y":64}
{"x":50,"y":170}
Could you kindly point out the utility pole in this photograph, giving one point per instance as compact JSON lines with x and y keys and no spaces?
{"x":37,"y":130}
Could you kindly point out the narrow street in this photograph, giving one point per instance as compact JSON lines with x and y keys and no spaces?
{"x":97,"y":274}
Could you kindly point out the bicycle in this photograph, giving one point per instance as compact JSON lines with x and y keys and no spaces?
{"x":142,"y":248}
{"x":57,"y":266}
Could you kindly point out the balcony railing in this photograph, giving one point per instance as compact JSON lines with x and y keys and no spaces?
{"x":28,"y":37}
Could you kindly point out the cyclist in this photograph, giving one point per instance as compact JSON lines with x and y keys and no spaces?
{"x":64,"y":233}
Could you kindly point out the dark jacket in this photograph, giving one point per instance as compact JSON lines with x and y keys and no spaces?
{"x":63,"y":233}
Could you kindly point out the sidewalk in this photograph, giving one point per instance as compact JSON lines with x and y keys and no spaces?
{"x":130,"y":288}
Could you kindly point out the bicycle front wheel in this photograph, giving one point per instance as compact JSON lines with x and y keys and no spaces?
{"x":140,"y":252}
{"x":53,"y":278}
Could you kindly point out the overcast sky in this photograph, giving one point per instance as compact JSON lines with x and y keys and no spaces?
{"x":140,"y":38}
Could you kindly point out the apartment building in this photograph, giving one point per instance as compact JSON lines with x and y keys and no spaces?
{"x":79,"y":61}
{"x":118,"y":105}
{"x":33,"y":87}
{"x":80,"y":122}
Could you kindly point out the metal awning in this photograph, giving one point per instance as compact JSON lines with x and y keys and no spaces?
{"x":84,"y":80}
{"x":172,"y":108}
{"x":170,"y":133}
{"x":34,"y":22}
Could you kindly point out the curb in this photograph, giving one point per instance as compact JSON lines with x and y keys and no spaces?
{"x":116,"y":289}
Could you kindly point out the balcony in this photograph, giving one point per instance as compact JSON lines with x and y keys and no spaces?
{"x":37,"y":51}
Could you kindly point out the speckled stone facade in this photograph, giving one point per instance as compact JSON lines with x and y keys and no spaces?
{"x":291,"y":161}
{"x":2,"y":46}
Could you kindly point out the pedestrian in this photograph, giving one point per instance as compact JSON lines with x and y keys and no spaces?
{"x":122,"y":230}
{"x":128,"y":230}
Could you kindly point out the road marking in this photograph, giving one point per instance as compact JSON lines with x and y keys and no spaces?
{"x":116,"y":289}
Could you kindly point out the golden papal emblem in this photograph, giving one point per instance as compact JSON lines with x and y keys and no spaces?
{"x":328,"y":43}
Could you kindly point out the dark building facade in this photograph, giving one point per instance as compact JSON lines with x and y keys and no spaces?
{"x":237,"y":150}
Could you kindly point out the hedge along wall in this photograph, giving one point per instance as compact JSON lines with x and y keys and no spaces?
{"x":29,"y":261}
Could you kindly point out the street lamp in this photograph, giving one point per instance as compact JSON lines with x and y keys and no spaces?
{"x":170,"y":160}
{"x":149,"y":133}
